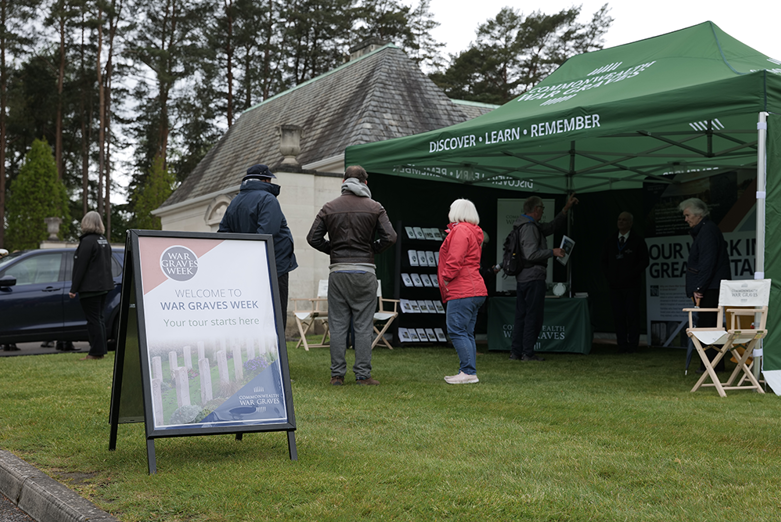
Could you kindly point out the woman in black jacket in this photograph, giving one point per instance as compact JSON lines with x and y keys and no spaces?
{"x":92,"y":280}
{"x":708,"y":263}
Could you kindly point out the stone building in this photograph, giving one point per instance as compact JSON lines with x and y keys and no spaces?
{"x":301,"y":134}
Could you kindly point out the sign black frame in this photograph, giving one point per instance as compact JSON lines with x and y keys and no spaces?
{"x":132,"y":365}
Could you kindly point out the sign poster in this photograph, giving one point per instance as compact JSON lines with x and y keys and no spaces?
{"x":731,"y":198}
{"x":507,"y":211}
{"x":211,"y":339}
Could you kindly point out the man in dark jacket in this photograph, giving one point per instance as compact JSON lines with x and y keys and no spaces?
{"x":351,"y":222}
{"x":530,"y":283}
{"x":255,"y":210}
{"x":624,"y":259}
{"x":707,"y":265}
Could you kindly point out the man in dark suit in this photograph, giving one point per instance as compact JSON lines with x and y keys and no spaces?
{"x":624,"y":259}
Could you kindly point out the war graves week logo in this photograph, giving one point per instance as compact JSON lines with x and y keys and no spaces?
{"x":179,"y":263}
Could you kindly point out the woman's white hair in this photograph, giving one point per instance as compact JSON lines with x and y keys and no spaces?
{"x":463,"y":210}
{"x":696,"y":205}
{"x":92,"y":224}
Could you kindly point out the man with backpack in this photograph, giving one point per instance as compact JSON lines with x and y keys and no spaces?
{"x":530,"y":281}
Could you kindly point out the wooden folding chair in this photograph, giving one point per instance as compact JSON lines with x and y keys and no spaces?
{"x":384,"y":316}
{"x":308,"y":311}
{"x":736,"y":299}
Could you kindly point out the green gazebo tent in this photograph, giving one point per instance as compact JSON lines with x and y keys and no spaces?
{"x":687,"y":101}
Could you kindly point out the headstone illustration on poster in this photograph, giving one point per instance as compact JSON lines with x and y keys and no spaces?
{"x":208,"y":335}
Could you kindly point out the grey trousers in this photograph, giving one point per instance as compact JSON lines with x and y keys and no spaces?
{"x":351,"y":296}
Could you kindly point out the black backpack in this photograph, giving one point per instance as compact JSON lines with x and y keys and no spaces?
{"x":512,"y":258}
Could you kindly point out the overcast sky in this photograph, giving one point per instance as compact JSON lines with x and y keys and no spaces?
{"x":750,"y":21}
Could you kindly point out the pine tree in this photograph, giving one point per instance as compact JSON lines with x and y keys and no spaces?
{"x":34,"y":195}
{"x":159,"y":185}
{"x":513,"y":53}
{"x":15,"y":16}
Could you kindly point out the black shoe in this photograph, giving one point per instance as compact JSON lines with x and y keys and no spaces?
{"x":531,"y":358}
{"x":65,"y":346}
{"x":515,"y":357}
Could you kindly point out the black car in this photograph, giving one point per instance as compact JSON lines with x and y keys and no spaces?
{"x":34,"y":301}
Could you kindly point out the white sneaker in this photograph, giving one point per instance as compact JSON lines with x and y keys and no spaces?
{"x":461,"y":378}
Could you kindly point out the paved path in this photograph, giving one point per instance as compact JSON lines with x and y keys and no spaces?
{"x":29,"y":495}
{"x":41,"y":497}
{"x":10,"y":513}
{"x":37,"y":349}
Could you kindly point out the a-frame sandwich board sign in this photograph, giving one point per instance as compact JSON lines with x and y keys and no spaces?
{"x":200,"y":348}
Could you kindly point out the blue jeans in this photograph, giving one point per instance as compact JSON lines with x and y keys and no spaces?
{"x":529,"y":312}
{"x":461,"y":319}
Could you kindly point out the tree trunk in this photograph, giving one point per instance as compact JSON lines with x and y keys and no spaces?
{"x":3,"y":102}
{"x":60,"y":82}
{"x":229,"y":56}
{"x":101,"y":114}
{"x":84,"y":134}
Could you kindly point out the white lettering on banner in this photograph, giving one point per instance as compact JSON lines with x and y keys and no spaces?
{"x":554,"y":332}
{"x":507,"y":330}
{"x":458,"y":142}
{"x":576,"y":123}
{"x":570,"y":89}
{"x":179,"y":263}
{"x":468,"y":175}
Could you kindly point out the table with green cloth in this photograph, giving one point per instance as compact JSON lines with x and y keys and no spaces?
{"x":566,"y":327}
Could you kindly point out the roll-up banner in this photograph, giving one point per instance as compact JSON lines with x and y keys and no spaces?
{"x":201,"y":320}
{"x":731,"y":200}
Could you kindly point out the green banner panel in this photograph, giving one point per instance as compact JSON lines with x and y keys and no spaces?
{"x":566,"y":328}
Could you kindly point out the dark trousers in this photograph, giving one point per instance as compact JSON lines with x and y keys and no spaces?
{"x":710,"y":299}
{"x":96,"y":328}
{"x":283,"y":293}
{"x":626,"y":314}
{"x":529,"y":313}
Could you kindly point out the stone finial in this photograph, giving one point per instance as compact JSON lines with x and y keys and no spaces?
{"x":52,"y":227}
{"x":290,"y":143}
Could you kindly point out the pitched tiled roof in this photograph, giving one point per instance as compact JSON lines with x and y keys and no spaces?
{"x":378,"y":96}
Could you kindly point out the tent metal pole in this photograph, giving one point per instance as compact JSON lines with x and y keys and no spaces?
{"x":759,"y":252}
{"x":571,"y":213}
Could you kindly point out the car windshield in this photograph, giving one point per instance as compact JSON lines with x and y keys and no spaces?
{"x":9,"y":258}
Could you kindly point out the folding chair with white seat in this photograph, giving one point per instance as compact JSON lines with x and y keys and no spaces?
{"x":309,"y":311}
{"x":736,"y":299}
{"x":384,"y":316}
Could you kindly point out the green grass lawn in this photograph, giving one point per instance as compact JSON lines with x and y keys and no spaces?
{"x":600,"y":437}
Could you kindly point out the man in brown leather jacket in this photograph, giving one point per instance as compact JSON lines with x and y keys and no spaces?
{"x":352,"y":221}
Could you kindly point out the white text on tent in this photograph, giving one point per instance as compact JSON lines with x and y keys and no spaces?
{"x":558,"y":126}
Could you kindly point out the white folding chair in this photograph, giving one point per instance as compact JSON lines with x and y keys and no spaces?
{"x":384,"y":316}
{"x":309,"y":311}
{"x":736,"y":299}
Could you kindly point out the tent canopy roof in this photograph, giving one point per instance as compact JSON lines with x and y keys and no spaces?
{"x":683,"y":101}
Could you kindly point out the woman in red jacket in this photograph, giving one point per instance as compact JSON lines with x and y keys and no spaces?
{"x":461,"y":285}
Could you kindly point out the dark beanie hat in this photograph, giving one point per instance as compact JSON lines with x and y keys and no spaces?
{"x":259,"y":171}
